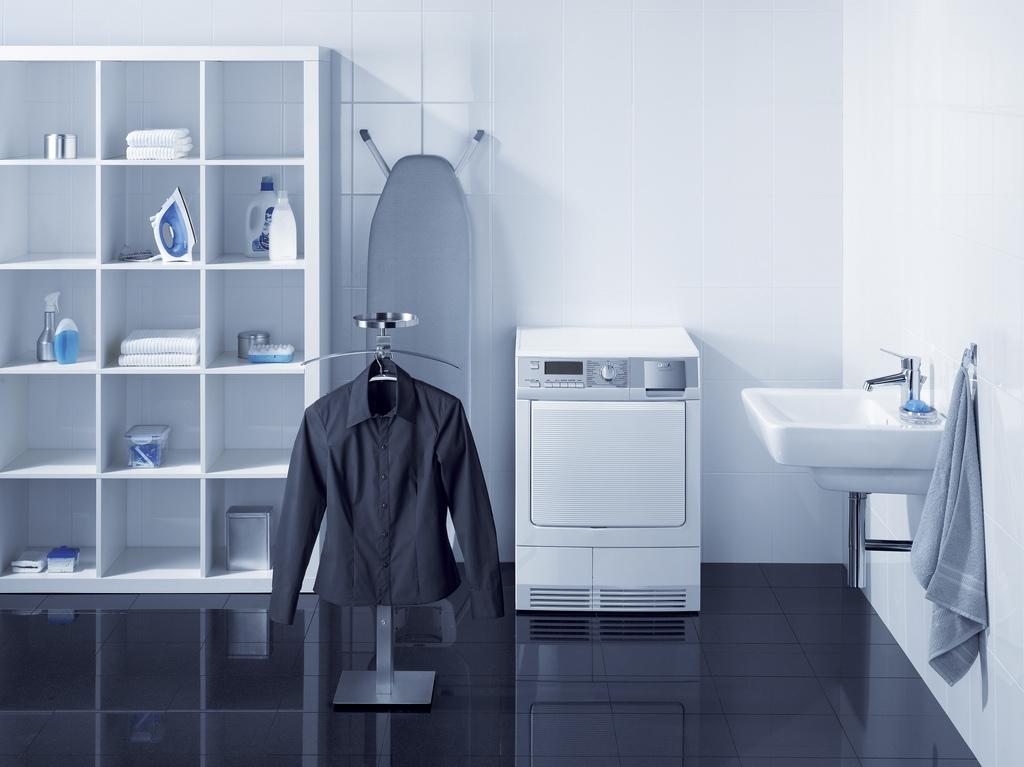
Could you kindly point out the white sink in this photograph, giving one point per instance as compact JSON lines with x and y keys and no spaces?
{"x":848,"y":439}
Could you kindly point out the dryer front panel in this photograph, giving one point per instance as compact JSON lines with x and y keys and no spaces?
{"x":608,"y":464}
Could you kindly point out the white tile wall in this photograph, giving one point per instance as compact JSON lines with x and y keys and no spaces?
{"x":648,"y":161}
{"x":933,"y":193}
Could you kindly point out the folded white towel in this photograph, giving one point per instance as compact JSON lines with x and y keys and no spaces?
{"x":169,"y":360}
{"x":158,"y":152}
{"x":161,"y":342}
{"x":157,"y":136}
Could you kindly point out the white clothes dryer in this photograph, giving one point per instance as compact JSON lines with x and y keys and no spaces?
{"x":607,"y":469}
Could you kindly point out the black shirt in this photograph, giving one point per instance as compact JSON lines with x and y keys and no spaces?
{"x":386,"y":482}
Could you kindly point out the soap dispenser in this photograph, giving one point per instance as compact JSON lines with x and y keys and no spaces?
{"x":44,"y":346}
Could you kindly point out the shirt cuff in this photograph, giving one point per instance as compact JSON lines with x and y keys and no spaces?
{"x":487,"y":603}
{"x":282,"y":607}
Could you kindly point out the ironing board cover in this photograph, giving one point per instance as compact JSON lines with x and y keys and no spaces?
{"x":420,"y":261}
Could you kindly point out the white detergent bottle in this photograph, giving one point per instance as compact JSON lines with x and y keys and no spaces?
{"x":257,"y":220}
{"x":284,"y":240}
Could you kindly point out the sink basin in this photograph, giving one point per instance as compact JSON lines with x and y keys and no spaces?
{"x":847,"y":438}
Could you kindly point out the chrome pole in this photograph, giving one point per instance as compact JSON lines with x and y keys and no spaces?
{"x":855,"y":557}
{"x":385,"y":652}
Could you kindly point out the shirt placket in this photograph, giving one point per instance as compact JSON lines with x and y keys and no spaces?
{"x":386,"y":510}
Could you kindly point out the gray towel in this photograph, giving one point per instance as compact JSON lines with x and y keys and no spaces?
{"x":948,"y":557}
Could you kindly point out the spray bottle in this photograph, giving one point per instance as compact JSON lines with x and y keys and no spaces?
{"x":44,"y":346}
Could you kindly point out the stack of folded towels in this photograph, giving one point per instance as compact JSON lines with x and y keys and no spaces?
{"x":159,"y":144}
{"x":160,"y":348}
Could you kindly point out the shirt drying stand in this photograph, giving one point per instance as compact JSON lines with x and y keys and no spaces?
{"x":384,"y":687}
{"x":382,"y":322}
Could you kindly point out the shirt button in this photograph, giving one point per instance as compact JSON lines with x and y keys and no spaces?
{"x":384,"y":446}
{"x":385,"y":563}
{"x":384,"y":505}
{"x":383,"y":476}
{"x":386,"y":533}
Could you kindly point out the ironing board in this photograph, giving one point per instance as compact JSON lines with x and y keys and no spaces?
{"x":420,"y":261}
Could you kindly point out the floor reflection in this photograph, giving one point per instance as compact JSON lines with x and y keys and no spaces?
{"x":783,"y":667}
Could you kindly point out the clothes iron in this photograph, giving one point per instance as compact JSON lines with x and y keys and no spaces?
{"x":173,"y":230}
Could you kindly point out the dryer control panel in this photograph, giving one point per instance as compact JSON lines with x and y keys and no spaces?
{"x":606,"y":378}
{"x":573,"y":373}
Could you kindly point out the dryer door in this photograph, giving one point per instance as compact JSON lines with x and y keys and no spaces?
{"x":608,"y":464}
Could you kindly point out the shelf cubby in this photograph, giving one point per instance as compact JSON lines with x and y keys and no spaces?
{"x":41,"y":515}
{"x":269,"y":300}
{"x":131,"y":194}
{"x":49,"y":426}
{"x":251,"y":112}
{"x":229,"y":190}
{"x":147,"y":94}
{"x":41,"y":97}
{"x":221,"y":495}
{"x":251,"y":422}
{"x":149,"y":530}
{"x":135,"y":299}
{"x":48,"y":216}
{"x":127,"y":401}
{"x":21,"y":317}
{"x":254,"y":110}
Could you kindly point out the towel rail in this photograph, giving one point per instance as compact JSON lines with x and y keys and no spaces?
{"x":858,"y":542}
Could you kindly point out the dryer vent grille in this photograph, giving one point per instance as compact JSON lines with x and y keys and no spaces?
{"x":619,"y":628}
{"x":547,"y":598}
{"x":561,"y":628}
{"x":641,"y":628}
{"x":641,"y":599}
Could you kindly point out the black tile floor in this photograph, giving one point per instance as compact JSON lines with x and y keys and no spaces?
{"x":783,"y":667}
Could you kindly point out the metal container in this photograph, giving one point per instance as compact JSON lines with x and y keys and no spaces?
{"x":249,"y":337}
{"x":249,"y":634}
{"x":53,"y":146}
{"x":248,"y":537}
{"x":70,"y":146}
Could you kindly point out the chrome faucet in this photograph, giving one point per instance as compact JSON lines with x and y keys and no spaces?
{"x":909,"y":377}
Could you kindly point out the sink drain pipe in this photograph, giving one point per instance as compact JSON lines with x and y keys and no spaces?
{"x":859,"y":544}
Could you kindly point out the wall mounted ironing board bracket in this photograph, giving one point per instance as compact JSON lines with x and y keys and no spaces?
{"x":382,"y":322}
{"x":467,"y":153}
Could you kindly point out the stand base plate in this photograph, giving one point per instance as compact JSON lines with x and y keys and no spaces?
{"x":358,"y":689}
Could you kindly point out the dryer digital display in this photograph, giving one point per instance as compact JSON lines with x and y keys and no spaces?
{"x":563,"y":368}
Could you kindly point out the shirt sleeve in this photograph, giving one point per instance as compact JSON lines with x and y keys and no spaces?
{"x":470,"y":506}
{"x":302,"y":511}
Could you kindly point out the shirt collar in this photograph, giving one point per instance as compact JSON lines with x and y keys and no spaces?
{"x":359,"y":404}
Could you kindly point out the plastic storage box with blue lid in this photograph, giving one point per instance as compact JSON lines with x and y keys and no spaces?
{"x":146,"y":445}
{"x":62,"y":559}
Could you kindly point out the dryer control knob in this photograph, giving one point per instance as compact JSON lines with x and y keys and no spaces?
{"x":607,"y":372}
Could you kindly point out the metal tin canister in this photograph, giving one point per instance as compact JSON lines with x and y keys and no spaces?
{"x":249,"y":337}
{"x":70,"y":146}
{"x":247,"y":535}
{"x":53,"y":146}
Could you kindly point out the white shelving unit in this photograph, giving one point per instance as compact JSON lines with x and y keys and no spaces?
{"x":252,"y":111}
